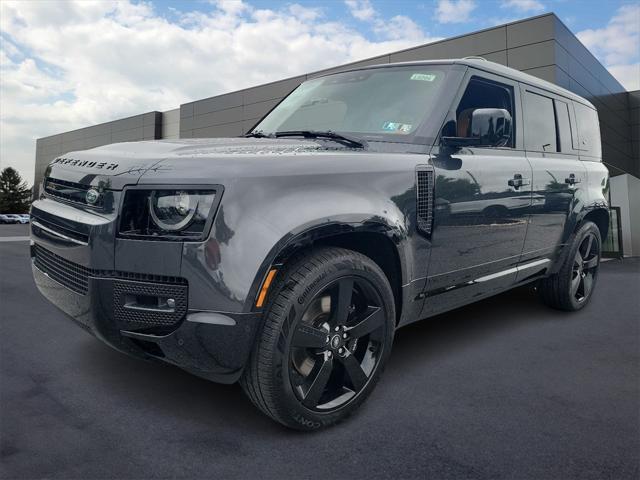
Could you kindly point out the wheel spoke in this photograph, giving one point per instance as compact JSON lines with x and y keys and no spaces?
{"x":354,"y":371}
{"x":588,"y":249}
{"x":575,"y":284}
{"x":345,"y":294}
{"x":373,"y":320}
{"x":307,"y":336}
{"x":318,"y":384}
{"x":590,"y":263}
{"x":587,"y":285}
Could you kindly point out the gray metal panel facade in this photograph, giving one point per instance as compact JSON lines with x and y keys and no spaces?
{"x":541,"y":46}
{"x":146,"y":126}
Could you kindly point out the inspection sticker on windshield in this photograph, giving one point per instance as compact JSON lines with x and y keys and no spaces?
{"x":397,"y":127}
{"x":425,"y":77}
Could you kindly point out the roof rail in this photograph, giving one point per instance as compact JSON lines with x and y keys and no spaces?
{"x":475,"y":57}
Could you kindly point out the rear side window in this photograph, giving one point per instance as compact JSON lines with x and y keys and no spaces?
{"x":565,"y":139}
{"x":588,"y":130}
{"x":540,"y":123}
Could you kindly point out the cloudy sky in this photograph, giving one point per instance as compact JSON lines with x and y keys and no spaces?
{"x":69,"y":64}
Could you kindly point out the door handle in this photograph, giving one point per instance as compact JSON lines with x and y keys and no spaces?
{"x":572,"y":180}
{"x":518,"y":181}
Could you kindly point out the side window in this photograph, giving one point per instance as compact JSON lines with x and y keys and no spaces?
{"x":565,"y":140}
{"x":588,"y":130}
{"x":484,"y":94}
{"x":540,"y":123}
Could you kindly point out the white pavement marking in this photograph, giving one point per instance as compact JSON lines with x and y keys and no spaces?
{"x":14,"y":239}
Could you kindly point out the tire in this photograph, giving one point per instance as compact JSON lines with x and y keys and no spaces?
{"x":571,"y":288}
{"x":326,"y":336}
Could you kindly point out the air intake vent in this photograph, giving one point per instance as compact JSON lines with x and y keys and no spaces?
{"x":424,"y":206}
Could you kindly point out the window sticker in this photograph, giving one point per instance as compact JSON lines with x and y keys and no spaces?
{"x":424,"y":77}
{"x":397,"y":127}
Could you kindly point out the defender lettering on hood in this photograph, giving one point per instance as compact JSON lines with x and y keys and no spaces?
{"x":85,"y":163}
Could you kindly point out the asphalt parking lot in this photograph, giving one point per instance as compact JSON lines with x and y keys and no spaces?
{"x":502,"y":389}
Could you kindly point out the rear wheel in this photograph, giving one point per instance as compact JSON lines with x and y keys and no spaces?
{"x":572,"y":287}
{"x":327,"y":334}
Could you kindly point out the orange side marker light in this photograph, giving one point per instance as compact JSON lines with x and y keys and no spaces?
{"x":265,"y":287}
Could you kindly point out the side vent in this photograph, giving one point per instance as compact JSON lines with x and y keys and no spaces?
{"x":424,"y":200}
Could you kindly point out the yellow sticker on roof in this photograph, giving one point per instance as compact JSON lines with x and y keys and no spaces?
{"x":425,"y":77}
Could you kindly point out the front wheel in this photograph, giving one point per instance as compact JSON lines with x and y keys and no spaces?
{"x":327,"y":333}
{"x":572,"y":287}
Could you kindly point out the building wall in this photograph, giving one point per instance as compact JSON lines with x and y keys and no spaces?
{"x":139,"y":127}
{"x":541,"y":46}
{"x":579,"y":71}
{"x":634,"y":120}
{"x":625,"y":193}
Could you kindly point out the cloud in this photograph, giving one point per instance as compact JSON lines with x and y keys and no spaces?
{"x":66,"y":65}
{"x":394,"y":28}
{"x":524,"y":5}
{"x":361,"y":9}
{"x":627,"y":75}
{"x":454,"y":11}
{"x":618,"y":44}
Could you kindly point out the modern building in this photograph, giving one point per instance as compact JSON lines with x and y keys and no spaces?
{"x":541,"y":46}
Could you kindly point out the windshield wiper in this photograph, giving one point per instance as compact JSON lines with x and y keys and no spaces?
{"x":257,"y":134}
{"x":338,"y":137}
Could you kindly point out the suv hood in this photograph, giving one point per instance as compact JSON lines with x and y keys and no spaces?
{"x":116,"y":165}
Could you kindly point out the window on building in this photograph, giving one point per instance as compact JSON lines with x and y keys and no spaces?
{"x":540,"y":123}
{"x":483,"y":94}
{"x":565,"y":139}
{"x":588,"y":130}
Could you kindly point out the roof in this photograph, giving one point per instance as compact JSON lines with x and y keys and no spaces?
{"x":490,"y":67}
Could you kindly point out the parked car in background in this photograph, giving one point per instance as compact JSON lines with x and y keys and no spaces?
{"x":17,"y":218}
{"x":26,"y":217}
{"x":365,"y":201}
{"x":5,"y":218}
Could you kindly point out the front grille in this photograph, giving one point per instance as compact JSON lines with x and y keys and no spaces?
{"x":69,"y":191}
{"x":37,"y":220}
{"x":73,"y":276}
{"x":76,"y":277}
{"x":134,"y":316}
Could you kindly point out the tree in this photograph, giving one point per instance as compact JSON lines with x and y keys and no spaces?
{"x":15,"y":195}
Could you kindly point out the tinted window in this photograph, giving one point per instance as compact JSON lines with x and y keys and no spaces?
{"x":588,"y":130}
{"x":564,"y":127}
{"x":381,"y":101}
{"x":483,"y":94}
{"x":540,"y":123}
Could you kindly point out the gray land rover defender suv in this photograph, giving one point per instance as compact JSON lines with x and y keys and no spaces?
{"x":364,"y":201}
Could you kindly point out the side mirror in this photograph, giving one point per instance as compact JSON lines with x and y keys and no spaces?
{"x":490,"y":127}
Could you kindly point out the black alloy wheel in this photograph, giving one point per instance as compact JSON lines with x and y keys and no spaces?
{"x":327,"y":333}
{"x":572,"y":286}
{"x":585,"y":267}
{"x":338,"y":344}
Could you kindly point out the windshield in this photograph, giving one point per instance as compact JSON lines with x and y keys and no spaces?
{"x":379,"y":102}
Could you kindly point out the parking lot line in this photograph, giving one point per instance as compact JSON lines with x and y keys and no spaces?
{"x":14,"y":239}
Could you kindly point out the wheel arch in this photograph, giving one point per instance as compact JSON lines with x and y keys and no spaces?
{"x":379,"y":241}
{"x":599,"y":216}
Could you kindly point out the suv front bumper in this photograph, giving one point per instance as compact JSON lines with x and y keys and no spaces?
{"x":213,"y":345}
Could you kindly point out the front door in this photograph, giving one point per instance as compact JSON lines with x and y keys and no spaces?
{"x":482,"y":200}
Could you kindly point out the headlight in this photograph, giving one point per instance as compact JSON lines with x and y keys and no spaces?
{"x":176,"y":214}
{"x":172,"y":210}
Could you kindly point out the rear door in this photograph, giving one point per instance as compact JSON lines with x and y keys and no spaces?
{"x":482,"y":200}
{"x":550,"y":140}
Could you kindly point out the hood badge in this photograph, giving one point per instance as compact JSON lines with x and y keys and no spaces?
{"x":85,"y":163}
{"x":92,"y":196}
